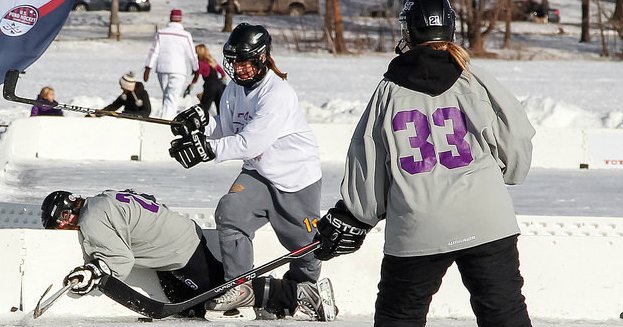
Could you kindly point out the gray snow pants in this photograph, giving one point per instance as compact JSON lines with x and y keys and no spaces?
{"x":252,"y":202}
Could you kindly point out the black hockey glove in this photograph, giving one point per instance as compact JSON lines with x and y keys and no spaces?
{"x":190,"y":150}
{"x":87,"y":276}
{"x":339,"y":233}
{"x":191,"y":119}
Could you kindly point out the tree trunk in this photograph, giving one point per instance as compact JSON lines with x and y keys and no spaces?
{"x":113,"y":28}
{"x":617,"y":16}
{"x":328,"y":17}
{"x":604,"y":46}
{"x":585,"y":36}
{"x":507,"y":19}
{"x":230,"y":9}
{"x":474,"y":35}
{"x":477,"y":44}
{"x":340,"y":44}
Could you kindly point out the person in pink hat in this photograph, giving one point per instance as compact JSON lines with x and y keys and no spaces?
{"x":171,"y":53}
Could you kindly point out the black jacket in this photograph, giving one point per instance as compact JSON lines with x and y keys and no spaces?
{"x":133,"y":103}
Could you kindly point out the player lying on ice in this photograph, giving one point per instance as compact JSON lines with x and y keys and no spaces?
{"x":120,"y":230}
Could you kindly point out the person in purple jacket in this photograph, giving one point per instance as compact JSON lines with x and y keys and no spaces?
{"x":46,"y":98}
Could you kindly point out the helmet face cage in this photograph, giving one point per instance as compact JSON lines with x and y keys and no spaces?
{"x":56,"y":207}
{"x":247,"y":43}
{"x":424,"y":21}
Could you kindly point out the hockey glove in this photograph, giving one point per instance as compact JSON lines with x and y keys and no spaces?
{"x":191,"y":149}
{"x":88,"y":276}
{"x":191,"y":119}
{"x":339,"y":233}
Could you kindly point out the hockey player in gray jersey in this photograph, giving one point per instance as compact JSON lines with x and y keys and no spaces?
{"x":120,"y":230}
{"x":431,"y":155}
{"x":261,"y":123}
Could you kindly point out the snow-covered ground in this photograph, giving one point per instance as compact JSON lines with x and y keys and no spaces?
{"x":573,"y":88}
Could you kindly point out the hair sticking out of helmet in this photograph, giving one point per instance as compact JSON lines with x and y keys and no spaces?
{"x":426,"y":21}
{"x":57,"y":205}
{"x":249,"y":44}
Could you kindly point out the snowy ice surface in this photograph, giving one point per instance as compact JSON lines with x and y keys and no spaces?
{"x":572,"y":90}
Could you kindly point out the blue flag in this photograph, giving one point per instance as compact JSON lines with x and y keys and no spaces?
{"x":27,"y":27}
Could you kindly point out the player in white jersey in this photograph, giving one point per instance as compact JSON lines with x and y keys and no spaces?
{"x":261,"y":123}
{"x":120,"y":230}
{"x":431,"y":155}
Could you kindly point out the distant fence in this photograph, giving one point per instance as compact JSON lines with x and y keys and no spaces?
{"x":118,"y":139}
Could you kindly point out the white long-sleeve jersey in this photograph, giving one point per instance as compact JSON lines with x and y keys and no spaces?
{"x":172,"y":51}
{"x":267,"y":129}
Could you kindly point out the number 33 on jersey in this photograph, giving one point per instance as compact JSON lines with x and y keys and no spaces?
{"x":447,"y":120}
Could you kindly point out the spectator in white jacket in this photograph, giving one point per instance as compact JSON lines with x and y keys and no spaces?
{"x":171,"y":53}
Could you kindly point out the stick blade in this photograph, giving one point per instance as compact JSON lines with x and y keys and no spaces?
{"x":45,"y":305}
{"x":10,"y":83}
{"x":125,"y":295}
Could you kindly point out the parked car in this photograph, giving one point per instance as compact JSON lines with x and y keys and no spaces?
{"x":553,"y":15}
{"x":124,"y":5}
{"x":528,"y":10}
{"x":283,"y":7}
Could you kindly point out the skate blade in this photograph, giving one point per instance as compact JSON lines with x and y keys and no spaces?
{"x":239,"y":314}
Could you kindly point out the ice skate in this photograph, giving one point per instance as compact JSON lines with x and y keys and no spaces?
{"x":239,"y":296}
{"x":316,"y":300}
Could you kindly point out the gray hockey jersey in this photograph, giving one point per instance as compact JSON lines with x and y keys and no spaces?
{"x":435,"y":167}
{"x":126,"y":229}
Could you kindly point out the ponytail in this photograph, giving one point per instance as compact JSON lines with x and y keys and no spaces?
{"x":460,"y":55}
{"x":270,"y":63}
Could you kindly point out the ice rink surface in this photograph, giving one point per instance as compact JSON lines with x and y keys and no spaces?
{"x":558,"y":192}
{"x":55,"y":321}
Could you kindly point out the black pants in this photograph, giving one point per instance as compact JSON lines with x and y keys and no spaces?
{"x":202,"y":272}
{"x":212,"y":90}
{"x":490,"y":272}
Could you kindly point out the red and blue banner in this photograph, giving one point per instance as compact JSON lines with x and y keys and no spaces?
{"x":27,"y":27}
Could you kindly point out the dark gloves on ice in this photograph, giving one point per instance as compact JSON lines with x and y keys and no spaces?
{"x":189,"y":120}
{"x":192,"y":149}
{"x":339,"y":233}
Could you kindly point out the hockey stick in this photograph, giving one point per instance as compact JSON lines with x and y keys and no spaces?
{"x":137,"y":302}
{"x":10,"y":84}
{"x":43,"y":307}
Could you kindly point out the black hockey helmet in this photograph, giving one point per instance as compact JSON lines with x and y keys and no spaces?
{"x":427,"y":20}
{"x":54,"y":205}
{"x":247,"y":42}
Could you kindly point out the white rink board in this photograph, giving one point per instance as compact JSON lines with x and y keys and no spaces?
{"x":571,"y":267}
{"x":121,"y":139}
{"x":604,"y":148}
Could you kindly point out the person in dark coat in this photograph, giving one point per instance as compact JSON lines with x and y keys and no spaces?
{"x":134,"y":99}
{"x":213,"y":79}
{"x":46,"y":97}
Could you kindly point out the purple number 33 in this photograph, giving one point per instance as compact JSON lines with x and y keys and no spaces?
{"x":427,"y":149}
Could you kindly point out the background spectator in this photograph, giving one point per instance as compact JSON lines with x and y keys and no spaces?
{"x":134,"y":98}
{"x":171,"y":52}
{"x":46,"y":97}
{"x":213,"y":79}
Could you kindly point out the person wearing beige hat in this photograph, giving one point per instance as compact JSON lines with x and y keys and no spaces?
{"x":171,"y":53}
{"x":134,"y":98}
